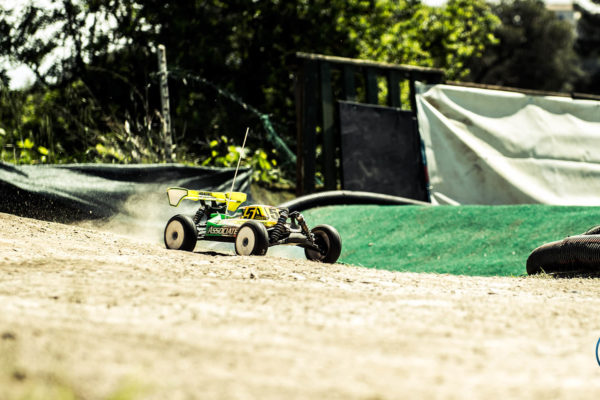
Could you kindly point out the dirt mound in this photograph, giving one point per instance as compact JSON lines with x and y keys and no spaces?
{"x":91,"y":314}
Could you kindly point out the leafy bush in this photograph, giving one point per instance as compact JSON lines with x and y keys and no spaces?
{"x":223,"y":153}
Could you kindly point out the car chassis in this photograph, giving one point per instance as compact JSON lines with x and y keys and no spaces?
{"x":253,"y":229}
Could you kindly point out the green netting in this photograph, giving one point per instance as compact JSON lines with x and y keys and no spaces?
{"x":465,"y":240}
{"x":288,"y":156}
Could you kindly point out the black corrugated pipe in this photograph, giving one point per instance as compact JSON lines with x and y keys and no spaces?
{"x":347,"y":197}
{"x":573,"y":255}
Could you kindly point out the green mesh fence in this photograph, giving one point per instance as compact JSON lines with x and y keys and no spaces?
{"x":288,"y":156}
{"x":465,"y":240}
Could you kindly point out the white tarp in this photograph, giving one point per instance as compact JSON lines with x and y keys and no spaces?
{"x":497,"y":147}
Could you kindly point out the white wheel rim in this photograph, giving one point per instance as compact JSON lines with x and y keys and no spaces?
{"x":245,"y":240}
{"x":174,"y":235}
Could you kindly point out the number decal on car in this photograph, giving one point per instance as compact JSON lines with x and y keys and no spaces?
{"x":253,"y":213}
{"x":261,"y":213}
{"x":273,"y":213}
{"x":249,"y":212}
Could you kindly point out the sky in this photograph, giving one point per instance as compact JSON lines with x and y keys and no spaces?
{"x":20,"y":75}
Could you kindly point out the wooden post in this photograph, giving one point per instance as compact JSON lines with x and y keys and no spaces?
{"x":371,"y":86}
{"x":393,"y":82}
{"x":299,"y":89}
{"x":309,"y":127}
{"x":349,"y":86}
{"x":164,"y":99}
{"x":327,"y":121}
{"x":413,"y":93}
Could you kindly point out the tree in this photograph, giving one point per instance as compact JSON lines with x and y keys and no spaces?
{"x":409,"y":32}
{"x":246,"y":48}
{"x":535,"y":49}
{"x":84,"y":86}
{"x":588,"y":45}
{"x":100,"y":98}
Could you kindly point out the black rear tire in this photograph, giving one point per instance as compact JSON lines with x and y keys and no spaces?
{"x":574,"y":255}
{"x":181,"y":233}
{"x":329,"y":241}
{"x":593,"y":231}
{"x":252,"y":239}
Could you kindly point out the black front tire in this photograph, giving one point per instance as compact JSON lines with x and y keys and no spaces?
{"x":329,"y":241}
{"x":181,"y":233}
{"x":252,"y":239}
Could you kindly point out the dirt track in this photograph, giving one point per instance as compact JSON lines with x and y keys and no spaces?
{"x":85,"y":312}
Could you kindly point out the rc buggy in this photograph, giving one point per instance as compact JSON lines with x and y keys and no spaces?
{"x":253,"y":229}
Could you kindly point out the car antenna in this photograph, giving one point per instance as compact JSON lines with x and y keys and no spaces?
{"x":236,"y":171}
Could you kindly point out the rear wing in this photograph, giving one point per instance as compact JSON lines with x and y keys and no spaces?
{"x":232,"y":199}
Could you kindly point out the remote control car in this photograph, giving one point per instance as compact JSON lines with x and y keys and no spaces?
{"x":253,"y":229}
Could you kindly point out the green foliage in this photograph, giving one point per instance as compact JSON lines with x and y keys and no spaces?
{"x":67,"y":125}
{"x":535,"y":49}
{"x":409,"y":32}
{"x":587,"y":45}
{"x":99,"y":101}
{"x":244,"y":47}
{"x":265,"y":169}
{"x":28,"y":153}
{"x":462,"y":32}
{"x":222,"y":153}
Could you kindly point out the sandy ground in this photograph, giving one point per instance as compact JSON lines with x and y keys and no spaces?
{"x":89,"y":314}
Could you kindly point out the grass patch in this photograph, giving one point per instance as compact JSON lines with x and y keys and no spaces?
{"x":464,"y":240}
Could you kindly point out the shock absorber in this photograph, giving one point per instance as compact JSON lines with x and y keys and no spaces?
{"x":300,"y":218}
{"x":198,"y":216}
{"x":279,"y":228}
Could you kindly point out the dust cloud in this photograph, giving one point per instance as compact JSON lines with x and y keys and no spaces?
{"x":143,"y":217}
